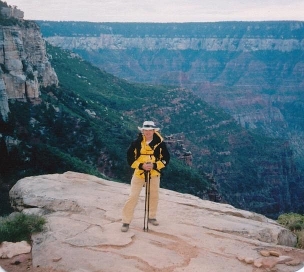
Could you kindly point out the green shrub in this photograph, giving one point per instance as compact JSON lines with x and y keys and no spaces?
{"x":300,"y":236}
{"x":290,"y":220}
{"x":19,"y":227}
{"x":295,"y":223}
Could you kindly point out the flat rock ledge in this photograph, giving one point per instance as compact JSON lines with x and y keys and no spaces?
{"x":83,"y":234}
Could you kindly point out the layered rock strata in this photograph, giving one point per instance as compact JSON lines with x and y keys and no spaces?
{"x":24,"y":62}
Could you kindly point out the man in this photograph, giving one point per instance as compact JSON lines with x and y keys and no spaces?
{"x":148,"y":153}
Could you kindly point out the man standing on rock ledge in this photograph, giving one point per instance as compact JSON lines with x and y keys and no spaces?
{"x":147,"y":153}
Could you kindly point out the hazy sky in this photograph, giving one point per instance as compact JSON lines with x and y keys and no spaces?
{"x":160,"y":10}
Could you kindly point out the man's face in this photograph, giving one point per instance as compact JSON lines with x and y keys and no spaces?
{"x":148,"y":133}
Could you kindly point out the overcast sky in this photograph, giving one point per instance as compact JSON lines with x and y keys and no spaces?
{"x":160,"y":10}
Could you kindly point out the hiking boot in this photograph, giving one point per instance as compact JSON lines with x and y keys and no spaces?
{"x":153,"y":222}
{"x":125,"y":227}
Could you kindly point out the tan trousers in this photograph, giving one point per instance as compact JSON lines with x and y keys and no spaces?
{"x":136,"y":187}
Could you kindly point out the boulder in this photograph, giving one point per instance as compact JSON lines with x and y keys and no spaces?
{"x":9,"y":249}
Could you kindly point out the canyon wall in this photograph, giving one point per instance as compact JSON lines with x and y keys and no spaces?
{"x":23,"y":60}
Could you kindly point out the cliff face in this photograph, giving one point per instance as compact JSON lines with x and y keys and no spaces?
{"x":23,"y":60}
{"x":119,"y":42}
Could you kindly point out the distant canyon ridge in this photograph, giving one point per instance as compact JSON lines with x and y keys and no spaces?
{"x":253,"y":70}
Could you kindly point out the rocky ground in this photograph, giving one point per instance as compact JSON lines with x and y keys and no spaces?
{"x":22,"y":263}
{"x":83,"y":232}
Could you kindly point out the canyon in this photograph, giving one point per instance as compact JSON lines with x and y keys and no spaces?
{"x":252,"y":70}
{"x":85,"y":122}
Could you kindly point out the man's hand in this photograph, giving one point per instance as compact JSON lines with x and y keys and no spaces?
{"x":147,"y":166}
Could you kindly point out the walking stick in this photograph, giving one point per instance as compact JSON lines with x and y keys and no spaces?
{"x":147,"y":201}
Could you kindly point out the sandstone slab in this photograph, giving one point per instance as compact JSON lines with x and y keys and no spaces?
{"x":9,"y":250}
{"x":83,"y":215}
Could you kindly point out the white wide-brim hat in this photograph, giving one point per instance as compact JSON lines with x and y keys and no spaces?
{"x":148,"y":125}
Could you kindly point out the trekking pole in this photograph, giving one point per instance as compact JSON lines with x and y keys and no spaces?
{"x":147,"y":201}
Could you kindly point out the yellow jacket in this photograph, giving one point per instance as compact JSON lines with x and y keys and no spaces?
{"x":155,"y":152}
